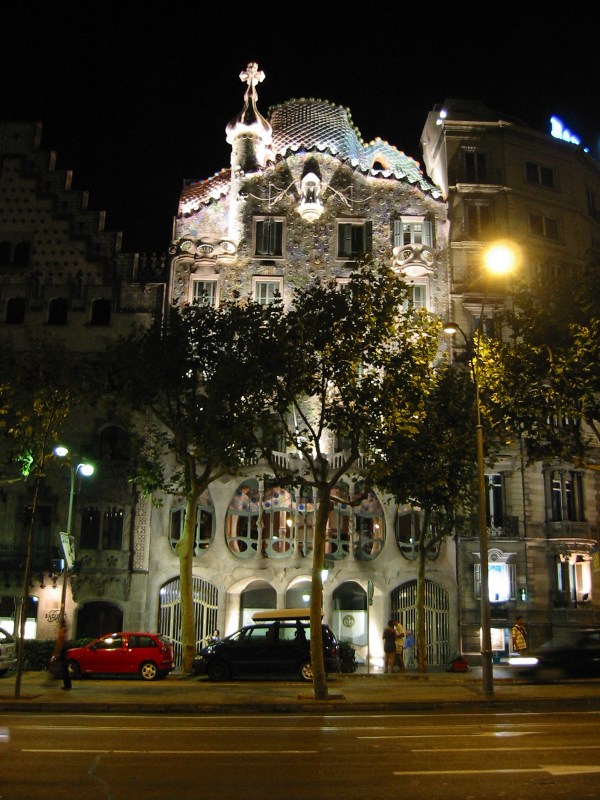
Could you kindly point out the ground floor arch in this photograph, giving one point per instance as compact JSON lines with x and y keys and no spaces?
{"x":206,"y":603}
{"x":437,"y":623}
{"x":98,"y":617}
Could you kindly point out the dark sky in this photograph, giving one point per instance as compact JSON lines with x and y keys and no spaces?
{"x":135,"y":96}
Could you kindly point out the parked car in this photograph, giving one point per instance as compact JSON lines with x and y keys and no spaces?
{"x":574,"y":653}
{"x":279,"y":646}
{"x":8,"y":651}
{"x":148,"y":654}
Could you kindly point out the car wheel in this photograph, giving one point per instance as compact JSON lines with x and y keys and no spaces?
{"x":219,"y":671}
{"x":73,"y":669}
{"x":306,"y":672}
{"x":149,"y":671}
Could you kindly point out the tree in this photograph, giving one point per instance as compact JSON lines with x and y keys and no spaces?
{"x":36,"y":397}
{"x":431,"y":468}
{"x":347,"y":361}
{"x":187,"y":378}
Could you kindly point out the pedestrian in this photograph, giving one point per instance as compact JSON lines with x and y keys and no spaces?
{"x":519,"y":638}
{"x":389,"y":646}
{"x":409,"y":649}
{"x":399,"y":628}
{"x":61,"y":667}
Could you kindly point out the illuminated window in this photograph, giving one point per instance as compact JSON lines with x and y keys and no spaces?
{"x":269,"y":236}
{"x":408,"y":231}
{"x":539,"y":174}
{"x":573,"y":580}
{"x":501,"y":581}
{"x":540,"y":225}
{"x":416,"y":296}
{"x":354,"y":238}
{"x":266,"y":290}
{"x":205,"y":292}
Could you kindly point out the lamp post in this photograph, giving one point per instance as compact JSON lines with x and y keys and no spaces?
{"x":86,"y":470}
{"x":500,"y":260}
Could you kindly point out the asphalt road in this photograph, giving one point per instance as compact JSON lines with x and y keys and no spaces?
{"x":432,"y":754}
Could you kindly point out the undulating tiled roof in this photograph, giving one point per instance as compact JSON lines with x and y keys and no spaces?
{"x":319,"y":125}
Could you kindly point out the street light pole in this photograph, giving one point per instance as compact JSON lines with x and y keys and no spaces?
{"x":500,"y":259}
{"x":75,"y":469}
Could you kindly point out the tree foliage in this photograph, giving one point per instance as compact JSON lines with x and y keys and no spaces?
{"x":345,"y":362}
{"x":187,"y":377}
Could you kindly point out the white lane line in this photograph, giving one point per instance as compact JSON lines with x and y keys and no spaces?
{"x":553,"y":769}
{"x":173,"y":752}
{"x":515,"y":749}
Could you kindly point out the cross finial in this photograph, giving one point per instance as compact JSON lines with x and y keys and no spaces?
{"x":252,"y":76}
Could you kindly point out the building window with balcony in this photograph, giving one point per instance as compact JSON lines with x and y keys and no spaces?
{"x":205,"y":292}
{"x":494,"y":500}
{"x":539,"y":225}
{"x":573,"y":580}
{"x":89,"y":537}
{"x":354,"y":238}
{"x":269,"y":237}
{"x":539,"y":174}
{"x":566,"y":496}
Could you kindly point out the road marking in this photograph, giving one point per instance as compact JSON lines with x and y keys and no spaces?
{"x":553,"y":769}
{"x":173,"y":752}
{"x":509,"y":749}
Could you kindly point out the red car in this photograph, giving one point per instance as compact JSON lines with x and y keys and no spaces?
{"x":148,"y":654}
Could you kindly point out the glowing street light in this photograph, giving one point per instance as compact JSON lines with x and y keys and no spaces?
{"x":500,"y":259}
{"x":85,"y":469}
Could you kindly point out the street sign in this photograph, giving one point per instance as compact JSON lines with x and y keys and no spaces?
{"x":68,"y":549}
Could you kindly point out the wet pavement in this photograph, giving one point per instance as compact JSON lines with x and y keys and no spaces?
{"x":347,"y":693}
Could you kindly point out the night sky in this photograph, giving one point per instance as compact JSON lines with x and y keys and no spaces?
{"x":134,"y":96}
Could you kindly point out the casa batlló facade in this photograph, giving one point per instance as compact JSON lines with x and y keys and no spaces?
{"x":303,"y":197}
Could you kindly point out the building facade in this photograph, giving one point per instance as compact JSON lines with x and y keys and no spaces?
{"x":303,"y":197}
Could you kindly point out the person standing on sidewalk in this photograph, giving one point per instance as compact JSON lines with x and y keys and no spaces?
{"x":60,"y":658}
{"x":399,"y":628}
{"x":389,"y":646}
{"x":519,"y":637}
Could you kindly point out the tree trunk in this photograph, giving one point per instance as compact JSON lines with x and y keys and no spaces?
{"x":316,"y":595}
{"x":421,"y":634}
{"x":185,"y":551}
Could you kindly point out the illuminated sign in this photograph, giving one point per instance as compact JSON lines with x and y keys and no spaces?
{"x":559,"y":131}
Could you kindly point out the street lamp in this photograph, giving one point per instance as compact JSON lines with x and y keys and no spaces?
{"x":85,"y":469}
{"x":500,"y":259}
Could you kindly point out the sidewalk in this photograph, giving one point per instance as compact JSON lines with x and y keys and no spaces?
{"x":348,"y":693}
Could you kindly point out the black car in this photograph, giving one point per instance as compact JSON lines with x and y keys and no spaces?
{"x":280,"y":647}
{"x":572,"y":654}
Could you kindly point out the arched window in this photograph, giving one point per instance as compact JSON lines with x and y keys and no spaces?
{"x":257,"y":596}
{"x":205,"y":524}
{"x":100,"y":312}
{"x":369,"y":525}
{"x":242,"y":520}
{"x":58,"y":311}
{"x":350,"y":618}
{"x":15,"y":311}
